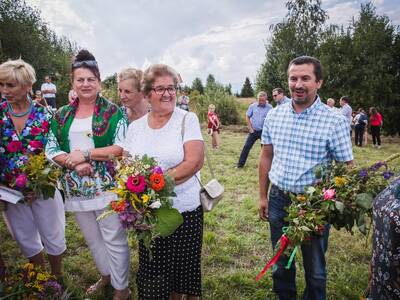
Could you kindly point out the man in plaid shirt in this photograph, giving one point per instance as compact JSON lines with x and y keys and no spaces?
{"x":297,"y":137}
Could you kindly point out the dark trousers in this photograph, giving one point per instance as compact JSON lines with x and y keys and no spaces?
{"x":51,"y":101}
{"x":359,"y":135}
{"x":284,"y":280}
{"x":251,"y":139}
{"x":376,"y":135}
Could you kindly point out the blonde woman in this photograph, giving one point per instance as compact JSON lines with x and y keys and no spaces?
{"x":134,"y":103}
{"x":213,"y":126}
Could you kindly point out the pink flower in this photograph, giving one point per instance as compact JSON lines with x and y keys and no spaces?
{"x":21,"y":180}
{"x":36,"y":144}
{"x":329,"y":194}
{"x":36,"y":130}
{"x":136,"y":184}
{"x":45,"y":126}
{"x":14,"y":146}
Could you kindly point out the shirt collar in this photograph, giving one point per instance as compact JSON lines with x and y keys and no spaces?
{"x":309,"y":109}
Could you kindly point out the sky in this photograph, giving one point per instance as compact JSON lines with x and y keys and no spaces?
{"x":225,"y":38}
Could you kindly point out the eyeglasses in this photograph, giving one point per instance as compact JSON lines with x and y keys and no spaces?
{"x":275,"y":95}
{"x":87,"y":63}
{"x":160,"y":90}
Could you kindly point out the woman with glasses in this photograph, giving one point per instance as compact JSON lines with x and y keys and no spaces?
{"x":38,"y":223}
{"x":134,"y":103}
{"x":173,"y":268}
{"x":81,"y":140}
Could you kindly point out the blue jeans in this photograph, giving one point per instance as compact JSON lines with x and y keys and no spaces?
{"x":284,"y":281}
{"x":251,"y":139}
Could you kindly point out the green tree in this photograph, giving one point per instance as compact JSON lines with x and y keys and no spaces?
{"x":247,"y":89}
{"x":210,"y":81}
{"x":24,"y":34}
{"x":197,"y":85}
{"x":298,"y":34}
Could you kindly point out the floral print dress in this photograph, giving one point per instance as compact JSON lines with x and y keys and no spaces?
{"x":16,"y":147}
{"x":386,"y":244}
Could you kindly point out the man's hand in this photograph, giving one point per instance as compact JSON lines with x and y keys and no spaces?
{"x":84,"y":169}
{"x":251,"y":130}
{"x":29,"y":196}
{"x":263,"y":208}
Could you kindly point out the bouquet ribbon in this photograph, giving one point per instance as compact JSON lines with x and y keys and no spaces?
{"x":284,"y":242}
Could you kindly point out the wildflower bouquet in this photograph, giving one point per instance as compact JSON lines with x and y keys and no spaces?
{"x":30,"y":282}
{"x":144,"y":199}
{"x":342,"y":196}
{"x":37,"y":175}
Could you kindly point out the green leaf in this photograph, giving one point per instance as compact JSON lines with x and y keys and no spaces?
{"x":361,"y":223}
{"x":48,"y":191}
{"x":339,"y":206}
{"x":364,"y":201}
{"x":168,"y":220}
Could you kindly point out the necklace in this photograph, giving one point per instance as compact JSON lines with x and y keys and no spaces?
{"x":23,"y":113}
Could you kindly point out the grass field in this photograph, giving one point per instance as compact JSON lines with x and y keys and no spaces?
{"x":236,"y":243}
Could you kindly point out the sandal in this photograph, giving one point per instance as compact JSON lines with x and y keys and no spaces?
{"x":117,"y":297}
{"x":100,"y":284}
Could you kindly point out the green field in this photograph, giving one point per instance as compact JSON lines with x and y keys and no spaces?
{"x":236,"y":243}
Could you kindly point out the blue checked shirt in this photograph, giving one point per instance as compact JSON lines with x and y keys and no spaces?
{"x":257,"y":114}
{"x":303,"y":141}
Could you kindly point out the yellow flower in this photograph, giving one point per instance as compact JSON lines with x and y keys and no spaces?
{"x":301,"y":198}
{"x":145,"y":198}
{"x":339,"y":181}
{"x":28,"y":266}
{"x":42,"y":276}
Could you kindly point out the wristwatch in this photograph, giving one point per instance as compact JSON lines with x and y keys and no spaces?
{"x":86,"y":155}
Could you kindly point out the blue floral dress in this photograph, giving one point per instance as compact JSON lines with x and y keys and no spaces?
{"x":15,"y":147}
{"x":386,"y":244}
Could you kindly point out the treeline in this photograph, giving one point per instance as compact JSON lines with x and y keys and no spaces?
{"x":23,"y":34}
{"x":361,"y":60}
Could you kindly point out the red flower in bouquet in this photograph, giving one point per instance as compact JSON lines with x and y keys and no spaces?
{"x":35,"y":130}
{"x":36,"y":144}
{"x":329,"y":194}
{"x":136,"y":184}
{"x":21,"y":180}
{"x":157,"y":181}
{"x":45,"y":126}
{"x":14,"y":146}
{"x":118,"y":206}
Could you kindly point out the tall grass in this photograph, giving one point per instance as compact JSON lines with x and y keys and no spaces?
{"x":236,"y":243}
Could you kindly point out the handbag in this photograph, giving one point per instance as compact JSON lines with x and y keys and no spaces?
{"x":212,"y":192}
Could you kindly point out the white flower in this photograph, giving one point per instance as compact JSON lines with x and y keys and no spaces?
{"x":2,"y":150}
{"x":310,"y":190}
{"x":156,"y":204}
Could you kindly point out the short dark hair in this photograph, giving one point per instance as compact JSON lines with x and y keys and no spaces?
{"x":85,"y":56}
{"x":279,"y":90}
{"x":302,"y":60}
{"x":345,"y":98}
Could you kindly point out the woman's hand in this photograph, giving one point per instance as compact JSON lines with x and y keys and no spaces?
{"x":84,"y":169}
{"x":74,"y":158}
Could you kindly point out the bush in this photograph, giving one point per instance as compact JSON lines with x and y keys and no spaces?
{"x":226,"y":106}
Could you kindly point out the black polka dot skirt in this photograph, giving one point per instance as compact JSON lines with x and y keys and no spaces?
{"x":175,"y":262}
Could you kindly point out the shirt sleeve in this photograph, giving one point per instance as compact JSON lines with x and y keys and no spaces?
{"x":249,"y":112}
{"x":340,"y":141}
{"x":52,"y":148}
{"x":265,"y":135}
{"x":192,"y":128}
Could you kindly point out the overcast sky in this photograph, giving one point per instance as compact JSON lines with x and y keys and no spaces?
{"x":197,"y":37}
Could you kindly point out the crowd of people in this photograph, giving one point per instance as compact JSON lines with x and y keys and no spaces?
{"x":81,"y":137}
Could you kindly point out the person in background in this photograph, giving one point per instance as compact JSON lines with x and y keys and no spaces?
{"x":360,"y":123}
{"x":346,"y":110}
{"x":255,"y":116}
{"x":81,"y":140}
{"x":49,"y":91}
{"x":331,"y":103}
{"x":173,"y":268}
{"x":130,"y":92}
{"x":376,"y":121}
{"x":183,"y":101}
{"x":385,"y":269}
{"x":38,"y":224}
{"x":213,"y":126}
{"x":279,"y":96}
